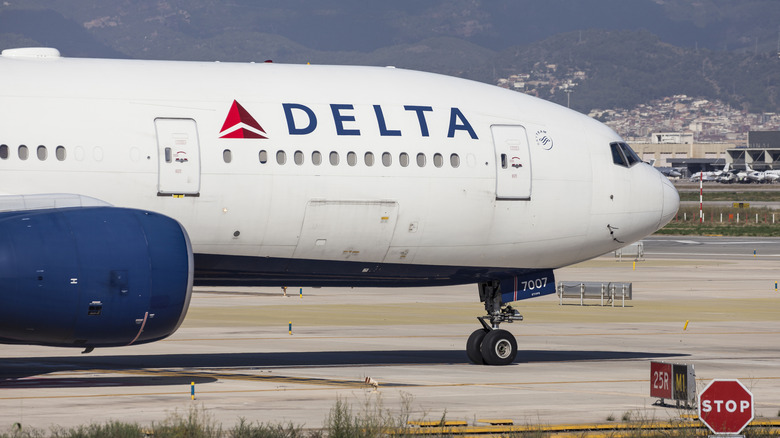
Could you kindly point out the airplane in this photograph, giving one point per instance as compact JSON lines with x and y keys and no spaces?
{"x":739,"y":176}
{"x":771,"y":176}
{"x":766,"y":176}
{"x":669,"y":172}
{"x":714,"y":175}
{"x":727,"y":178}
{"x":754,"y":176}
{"x":730,"y":175}
{"x":125,"y":183}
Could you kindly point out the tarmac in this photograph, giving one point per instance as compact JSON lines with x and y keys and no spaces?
{"x":711,"y":302}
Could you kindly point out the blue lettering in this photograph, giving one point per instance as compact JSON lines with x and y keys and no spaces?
{"x":301,"y":120}
{"x":420,"y":110}
{"x":380,"y":119}
{"x":339,"y":119}
{"x":291,"y":127}
{"x":455,"y":114}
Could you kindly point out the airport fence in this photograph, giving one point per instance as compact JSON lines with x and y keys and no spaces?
{"x":724,"y":221}
{"x":728,"y":215}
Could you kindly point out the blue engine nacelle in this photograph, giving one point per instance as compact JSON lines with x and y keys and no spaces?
{"x":92,"y":276}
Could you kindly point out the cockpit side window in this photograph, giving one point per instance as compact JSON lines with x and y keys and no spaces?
{"x":631,"y":156}
{"x":617,"y":155}
{"x":623,"y":155}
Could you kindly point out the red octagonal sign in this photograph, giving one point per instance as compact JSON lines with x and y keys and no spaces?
{"x":726,"y":406}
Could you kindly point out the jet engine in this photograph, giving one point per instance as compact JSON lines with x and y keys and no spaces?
{"x":92,"y":276}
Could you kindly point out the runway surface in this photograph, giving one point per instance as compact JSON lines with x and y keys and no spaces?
{"x":576,"y":364}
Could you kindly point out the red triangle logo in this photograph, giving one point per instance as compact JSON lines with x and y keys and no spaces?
{"x":240,"y":124}
{"x":242,"y":133}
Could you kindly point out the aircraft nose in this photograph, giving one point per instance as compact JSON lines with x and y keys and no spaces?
{"x":671,"y":201}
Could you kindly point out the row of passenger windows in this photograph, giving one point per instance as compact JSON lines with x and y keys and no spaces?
{"x":24,"y":152}
{"x":334,"y":158}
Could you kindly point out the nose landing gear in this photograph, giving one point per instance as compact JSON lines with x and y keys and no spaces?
{"x":491,"y":345}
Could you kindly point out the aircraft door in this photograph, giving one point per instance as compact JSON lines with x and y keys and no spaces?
{"x":178,"y":157}
{"x":513,"y":162}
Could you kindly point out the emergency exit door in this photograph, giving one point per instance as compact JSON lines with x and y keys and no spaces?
{"x":513,"y":162}
{"x":178,"y":157}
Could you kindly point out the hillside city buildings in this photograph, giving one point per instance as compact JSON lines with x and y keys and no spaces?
{"x":673,"y":131}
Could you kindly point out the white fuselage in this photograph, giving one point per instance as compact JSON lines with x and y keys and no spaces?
{"x":159,"y":136}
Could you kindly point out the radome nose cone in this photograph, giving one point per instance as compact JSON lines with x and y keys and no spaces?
{"x":671,"y":202}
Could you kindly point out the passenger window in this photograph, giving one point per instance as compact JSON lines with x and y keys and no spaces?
{"x":420,"y":160}
{"x":351,"y":158}
{"x":60,"y":153}
{"x":334,"y":158}
{"x":298,"y":157}
{"x":4,"y":151}
{"x":263,"y":156}
{"x":387,"y":159}
{"x":316,"y":158}
{"x":42,"y":153}
{"x":281,"y":157}
{"x":23,"y":152}
{"x":403,"y":159}
{"x":438,"y":160}
{"x":454,"y":161}
{"x":369,"y":159}
{"x":227,"y":156}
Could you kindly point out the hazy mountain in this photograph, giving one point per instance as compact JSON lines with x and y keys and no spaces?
{"x":367,"y":25}
{"x":48,"y":27}
{"x":625,"y":68}
{"x":631,"y":49}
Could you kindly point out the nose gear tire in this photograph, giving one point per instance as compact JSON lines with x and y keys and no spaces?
{"x":473,"y":346}
{"x":499,"y":347}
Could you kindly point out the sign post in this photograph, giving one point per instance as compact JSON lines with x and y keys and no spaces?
{"x":726,"y":407}
{"x":673,"y":382}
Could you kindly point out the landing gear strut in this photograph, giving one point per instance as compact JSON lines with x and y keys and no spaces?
{"x":491,"y":345}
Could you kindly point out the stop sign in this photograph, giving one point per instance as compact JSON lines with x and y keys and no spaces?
{"x":726,"y":406}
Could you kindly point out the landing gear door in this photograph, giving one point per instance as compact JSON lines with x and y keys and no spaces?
{"x":513,"y":162}
{"x":178,"y":157}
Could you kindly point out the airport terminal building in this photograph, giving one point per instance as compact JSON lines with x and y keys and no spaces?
{"x":678,"y":150}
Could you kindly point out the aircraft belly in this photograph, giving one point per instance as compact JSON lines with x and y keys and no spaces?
{"x":231,"y":270}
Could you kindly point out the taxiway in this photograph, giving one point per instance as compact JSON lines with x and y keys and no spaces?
{"x":576,"y":364}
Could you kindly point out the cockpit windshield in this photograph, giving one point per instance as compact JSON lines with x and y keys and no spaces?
{"x":623,"y":155}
